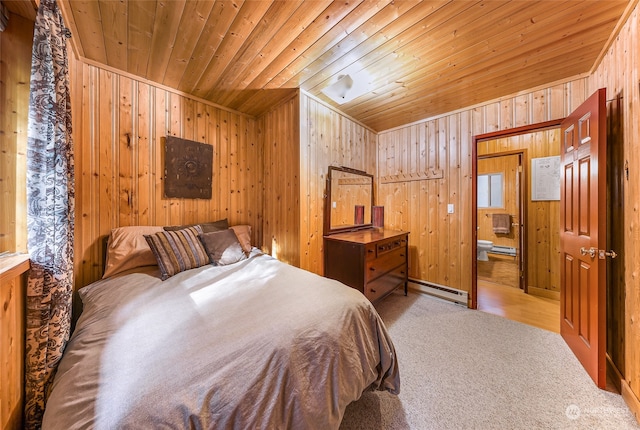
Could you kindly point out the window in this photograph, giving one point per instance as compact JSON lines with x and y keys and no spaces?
{"x":490,"y":190}
{"x":15,"y":57}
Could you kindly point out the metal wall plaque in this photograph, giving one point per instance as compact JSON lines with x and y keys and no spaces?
{"x":187,"y":169}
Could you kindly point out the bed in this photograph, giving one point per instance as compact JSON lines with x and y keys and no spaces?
{"x":253,"y":343}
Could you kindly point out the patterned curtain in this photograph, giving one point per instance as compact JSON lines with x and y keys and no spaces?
{"x":50,"y":209}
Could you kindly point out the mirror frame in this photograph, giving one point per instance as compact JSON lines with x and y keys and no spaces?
{"x":327,"y":202}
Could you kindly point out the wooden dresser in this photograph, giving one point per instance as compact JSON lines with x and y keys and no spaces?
{"x":373,"y":261}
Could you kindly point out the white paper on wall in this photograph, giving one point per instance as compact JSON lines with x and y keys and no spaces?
{"x":545,"y":178}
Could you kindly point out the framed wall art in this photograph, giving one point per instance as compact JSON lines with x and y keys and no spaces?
{"x":187,"y":169}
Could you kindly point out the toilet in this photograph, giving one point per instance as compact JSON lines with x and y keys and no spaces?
{"x":483,"y":247}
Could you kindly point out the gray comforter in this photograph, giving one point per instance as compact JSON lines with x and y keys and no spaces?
{"x":254,"y":345}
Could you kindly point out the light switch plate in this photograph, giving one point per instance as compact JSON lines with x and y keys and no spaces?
{"x":450,"y":208}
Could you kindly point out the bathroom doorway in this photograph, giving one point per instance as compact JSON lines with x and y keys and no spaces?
{"x":501,"y":219}
{"x":536,"y":220}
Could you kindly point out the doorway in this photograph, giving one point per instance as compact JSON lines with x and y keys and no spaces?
{"x":501,"y":218}
{"x":530,"y":292}
{"x":612,"y":179}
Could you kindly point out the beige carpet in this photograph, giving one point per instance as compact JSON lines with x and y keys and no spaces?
{"x":464,"y":369}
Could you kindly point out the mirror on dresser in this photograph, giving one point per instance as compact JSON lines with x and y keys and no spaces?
{"x":349,"y":200}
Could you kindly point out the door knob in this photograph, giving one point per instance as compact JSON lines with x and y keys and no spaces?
{"x":602,"y":254}
{"x":591,"y":251}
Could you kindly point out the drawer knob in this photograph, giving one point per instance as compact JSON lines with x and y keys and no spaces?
{"x":401,"y":255}
{"x":372,"y":268}
{"x":372,"y":290}
{"x":370,"y":251}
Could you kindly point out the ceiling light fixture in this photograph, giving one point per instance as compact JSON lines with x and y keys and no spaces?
{"x":349,"y":86}
{"x":339,"y":90}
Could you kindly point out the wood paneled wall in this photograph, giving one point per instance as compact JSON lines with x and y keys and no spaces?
{"x":440,"y":243}
{"x":13,"y":284}
{"x":302,"y":138}
{"x":279,"y":131}
{"x":118,"y":126}
{"x":542,"y":223}
{"x":15,"y":72}
{"x":619,"y":73}
{"x":327,"y":138}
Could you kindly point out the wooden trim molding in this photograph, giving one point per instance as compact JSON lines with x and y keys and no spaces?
{"x":519,"y":130}
{"x":613,"y":374}
{"x":13,"y":266}
{"x":541,"y":292}
{"x":630,"y":399}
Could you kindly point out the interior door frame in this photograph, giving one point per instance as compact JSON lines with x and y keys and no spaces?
{"x":522,"y":210}
{"x":532,"y":128}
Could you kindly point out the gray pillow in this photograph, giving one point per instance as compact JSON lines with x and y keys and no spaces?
{"x":223,"y":247}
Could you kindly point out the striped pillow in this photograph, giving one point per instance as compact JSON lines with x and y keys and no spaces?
{"x":177,"y":251}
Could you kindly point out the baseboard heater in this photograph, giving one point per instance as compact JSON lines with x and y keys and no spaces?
{"x":503,"y":250}
{"x":458,"y":297}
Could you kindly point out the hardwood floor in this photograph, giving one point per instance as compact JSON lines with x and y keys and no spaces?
{"x":514,"y":304}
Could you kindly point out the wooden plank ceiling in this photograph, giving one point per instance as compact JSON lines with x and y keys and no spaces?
{"x":418,"y":58}
{"x":24,"y":8}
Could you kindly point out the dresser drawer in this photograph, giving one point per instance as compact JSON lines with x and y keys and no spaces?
{"x":370,"y":251}
{"x":385,"y":283}
{"x":385,"y":263}
{"x":389,"y":245}
{"x":372,"y":260}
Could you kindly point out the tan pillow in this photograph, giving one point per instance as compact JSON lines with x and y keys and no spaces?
{"x":127,"y":249}
{"x":243,"y":232}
